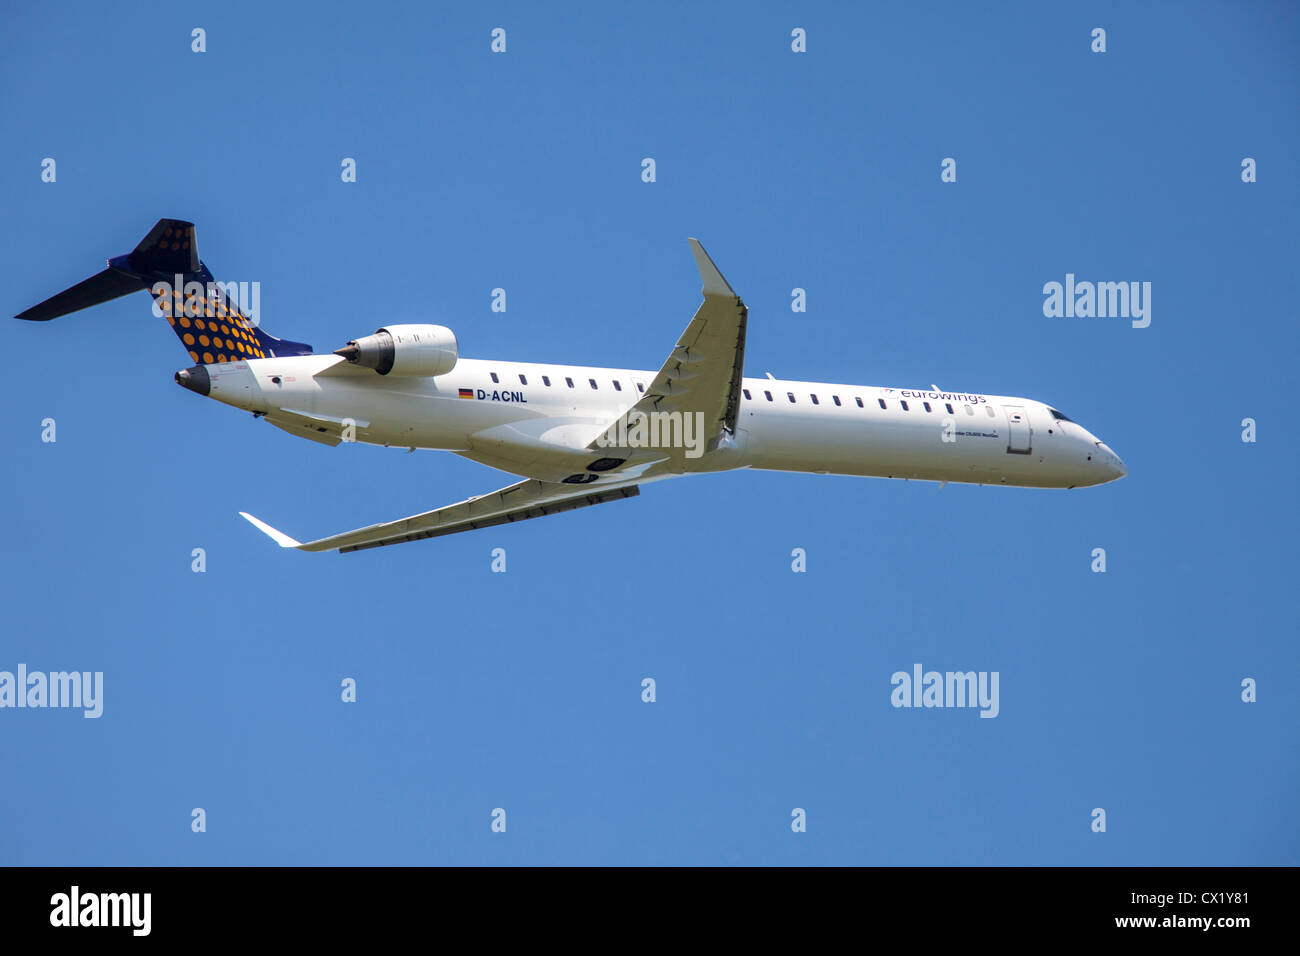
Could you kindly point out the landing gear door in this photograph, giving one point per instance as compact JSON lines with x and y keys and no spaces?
{"x":1019,"y":434}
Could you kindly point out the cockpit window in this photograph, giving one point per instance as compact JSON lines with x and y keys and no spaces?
{"x":1059,"y":417}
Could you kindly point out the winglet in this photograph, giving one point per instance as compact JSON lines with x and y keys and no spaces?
{"x":714,"y":284}
{"x":279,"y":537}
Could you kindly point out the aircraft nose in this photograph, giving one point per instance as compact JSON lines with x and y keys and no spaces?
{"x":1113,"y":463}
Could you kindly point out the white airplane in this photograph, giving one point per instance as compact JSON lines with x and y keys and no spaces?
{"x":576,"y":435}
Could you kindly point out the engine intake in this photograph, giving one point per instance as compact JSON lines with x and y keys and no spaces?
{"x":422,"y":350}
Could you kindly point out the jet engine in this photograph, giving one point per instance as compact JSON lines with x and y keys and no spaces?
{"x":421,"y":350}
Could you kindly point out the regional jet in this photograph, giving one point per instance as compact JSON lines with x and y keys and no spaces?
{"x":577,"y":435}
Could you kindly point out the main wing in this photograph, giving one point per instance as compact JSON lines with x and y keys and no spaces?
{"x":519,"y":502}
{"x":703,"y":373}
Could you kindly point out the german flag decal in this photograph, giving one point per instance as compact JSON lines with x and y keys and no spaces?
{"x":467,"y":393}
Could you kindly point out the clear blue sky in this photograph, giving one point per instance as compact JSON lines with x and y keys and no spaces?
{"x":522,"y":690}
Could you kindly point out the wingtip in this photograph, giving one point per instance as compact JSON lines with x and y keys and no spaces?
{"x":279,"y":537}
{"x":714,"y":283}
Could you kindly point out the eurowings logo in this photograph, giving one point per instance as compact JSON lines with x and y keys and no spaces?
{"x":887,"y":392}
{"x":945,"y":396}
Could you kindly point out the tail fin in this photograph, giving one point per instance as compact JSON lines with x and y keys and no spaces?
{"x":209,"y":322}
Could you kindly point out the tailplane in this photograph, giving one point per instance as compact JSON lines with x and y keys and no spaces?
{"x":213,"y":325}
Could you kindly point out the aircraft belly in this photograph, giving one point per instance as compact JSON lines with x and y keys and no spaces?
{"x":399,"y":417}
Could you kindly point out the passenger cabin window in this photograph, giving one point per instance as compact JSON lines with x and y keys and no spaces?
{"x":904,"y":404}
{"x":815,"y":402}
{"x":969,"y":410}
{"x":989,"y":409}
{"x":790,"y":395}
{"x":835,"y":399}
{"x":546,"y":380}
{"x":495,"y":380}
{"x":769,"y":395}
{"x":860,"y":405}
{"x":745,"y":392}
{"x":592,"y":381}
{"x":881,"y":403}
{"x":617,"y":387}
{"x":927,"y":405}
{"x":569,"y":381}
{"x":640,"y":387}
{"x":523,"y":379}
{"x":948,"y":405}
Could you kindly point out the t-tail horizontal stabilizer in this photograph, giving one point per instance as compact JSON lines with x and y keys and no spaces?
{"x":101,"y":287}
{"x":213,"y":327}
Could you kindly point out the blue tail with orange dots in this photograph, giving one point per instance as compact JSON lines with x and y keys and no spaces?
{"x":212,"y":325}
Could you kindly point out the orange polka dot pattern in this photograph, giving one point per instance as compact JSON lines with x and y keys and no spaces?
{"x":220,"y":329}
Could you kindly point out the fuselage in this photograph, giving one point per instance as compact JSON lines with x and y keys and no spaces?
{"x":815,"y":427}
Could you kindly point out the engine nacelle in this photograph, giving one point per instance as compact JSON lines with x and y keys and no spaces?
{"x":422,"y":350}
